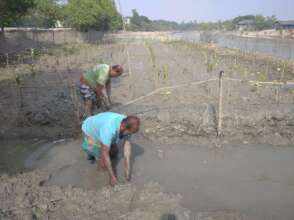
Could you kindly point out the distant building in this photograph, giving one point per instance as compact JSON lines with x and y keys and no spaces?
{"x":58,"y":24}
{"x":127,"y":20}
{"x":284,"y":25}
{"x":246,"y":25}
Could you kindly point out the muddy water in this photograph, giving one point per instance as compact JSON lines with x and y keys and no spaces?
{"x":15,"y":152}
{"x":283,"y":48}
{"x":255,"y":180}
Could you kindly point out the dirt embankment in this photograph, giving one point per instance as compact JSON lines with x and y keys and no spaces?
{"x":25,"y":197}
{"x":40,"y":99}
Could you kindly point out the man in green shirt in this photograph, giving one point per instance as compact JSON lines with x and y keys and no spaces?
{"x":95,"y":84}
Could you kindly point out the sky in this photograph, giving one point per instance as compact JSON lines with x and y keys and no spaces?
{"x":208,"y":10}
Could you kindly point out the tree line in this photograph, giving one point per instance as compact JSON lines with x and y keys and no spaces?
{"x":142,"y":23}
{"x":139,"y":22}
{"x":260,"y":22}
{"x":102,"y":15}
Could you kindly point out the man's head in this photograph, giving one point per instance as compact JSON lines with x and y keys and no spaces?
{"x":129,"y":125}
{"x":116,"y":70}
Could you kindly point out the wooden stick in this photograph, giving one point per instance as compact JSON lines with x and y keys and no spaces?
{"x":131,"y":80}
{"x":220,"y":103}
{"x":32,"y":54}
{"x":7,"y":60}
{"x":260,"y":82}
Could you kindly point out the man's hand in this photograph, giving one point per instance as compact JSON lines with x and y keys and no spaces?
{"x":107,"y":162}
{"x":113,"y":181}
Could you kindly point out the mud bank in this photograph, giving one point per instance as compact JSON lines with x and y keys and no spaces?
{"x":272,"y":127}
{"x":41,"y":100}
{"x":25,"y":197}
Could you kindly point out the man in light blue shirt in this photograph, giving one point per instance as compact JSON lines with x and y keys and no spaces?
{"x":102,"y":134}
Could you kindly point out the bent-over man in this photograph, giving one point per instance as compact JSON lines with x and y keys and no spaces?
{"x":102,"y":133}
{"x":95,"y":85}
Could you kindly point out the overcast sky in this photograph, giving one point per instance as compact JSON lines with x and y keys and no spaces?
{"x":208,"y":10}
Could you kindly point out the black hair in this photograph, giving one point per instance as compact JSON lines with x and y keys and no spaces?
{"x":130,"y":121}
{"x":117,"y":68}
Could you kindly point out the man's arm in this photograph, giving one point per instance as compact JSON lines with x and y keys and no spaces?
{"x":99,"y":90}
{"x":108,"y":90}
{"x":107,"y":163}
{"x":127,"y":159}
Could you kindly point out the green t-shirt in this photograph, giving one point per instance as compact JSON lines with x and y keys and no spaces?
{"x":97,"y":75}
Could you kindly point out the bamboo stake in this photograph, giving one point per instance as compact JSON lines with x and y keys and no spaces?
{"x":73,"y":95}
{"x":7,"y":60}
{"x":277,"y":95}
{"x":32,"y":55}
{"x":220,"y":103}
{"x":131,"y":81}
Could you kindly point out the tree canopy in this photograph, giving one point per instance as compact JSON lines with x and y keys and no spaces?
{"x":82,"y":15}
{"x":260,"y":21}
{"x":10,"y":11}
{"x":45,"y":14}
{"x":142,"y":23}
{"x":91,"y":14}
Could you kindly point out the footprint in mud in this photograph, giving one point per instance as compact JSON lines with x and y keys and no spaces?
{"x":168,"y":217}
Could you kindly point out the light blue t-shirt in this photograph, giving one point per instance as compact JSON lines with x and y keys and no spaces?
{"x":103,"y":127}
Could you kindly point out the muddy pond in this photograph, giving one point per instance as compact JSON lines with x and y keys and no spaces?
{"x":255,"y":180}
{"x":252,"y":175}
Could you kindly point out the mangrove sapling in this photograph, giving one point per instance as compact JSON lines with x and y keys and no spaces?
{"x":153,"y":62}
{"x":277,"y":94}
{"x":165,"y":71}
{"x":244,"y":72}
{"x":19,"y":89}
{"x":162,"y":73}
{"x":261,"y":76}
{"x":32,"y":69}
{"x":208,"y":62}
{"x":220,"y":104}
{"x":282,"y":71}
{"x":268,"y":67}
{"x":151,"y":53}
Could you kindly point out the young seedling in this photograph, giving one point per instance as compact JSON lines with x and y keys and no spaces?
{"x":261,"y":76}
{"x":151,"y":52}
{"x":32,"y":69}
{"x":165,"y":71}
